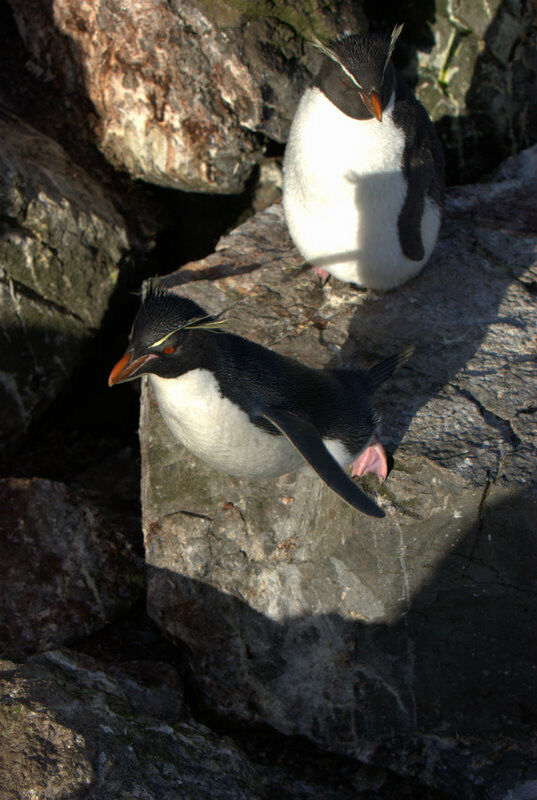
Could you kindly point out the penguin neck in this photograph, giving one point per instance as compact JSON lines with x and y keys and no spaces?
{"x":331,"y":81}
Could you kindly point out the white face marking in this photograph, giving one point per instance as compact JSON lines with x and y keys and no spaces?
{"x":218,"y":431}
{"x":343,"y":190}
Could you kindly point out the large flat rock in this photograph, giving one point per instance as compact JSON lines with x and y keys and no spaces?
{"x":407,"y":641}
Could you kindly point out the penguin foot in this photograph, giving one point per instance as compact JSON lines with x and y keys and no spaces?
{"x":371,"y":459}
{"x":322,"y":274}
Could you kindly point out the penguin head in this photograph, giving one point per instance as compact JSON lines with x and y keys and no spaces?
{"x":164,"y":339}
{"x":357,"y":74}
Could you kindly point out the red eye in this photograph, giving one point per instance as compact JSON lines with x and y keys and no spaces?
{"x":169,"y":350}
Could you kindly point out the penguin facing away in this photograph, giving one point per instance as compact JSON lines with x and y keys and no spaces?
{"x":363,"y":175}
{"x":249,"y":411}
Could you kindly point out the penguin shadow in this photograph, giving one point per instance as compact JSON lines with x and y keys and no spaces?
{"x":377,"y":197}
{"x":456,"y":663}
{"x":445,"y":311}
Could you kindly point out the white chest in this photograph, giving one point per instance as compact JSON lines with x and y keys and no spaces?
{"x":217,"y":430}
{"x":329,"y":146}
{"x":343,"y":192}
{"x":221,"y":434}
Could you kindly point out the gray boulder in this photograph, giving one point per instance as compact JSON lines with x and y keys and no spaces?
{"x":72,"y":726}
{"x":472,"y":66}
{"x":64,"y":573}
{"x":61,"y":247}
{"x":407,"y":642}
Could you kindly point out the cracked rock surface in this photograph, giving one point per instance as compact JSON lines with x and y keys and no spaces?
{"x":61,"y":247}
{"x":408,"y":641}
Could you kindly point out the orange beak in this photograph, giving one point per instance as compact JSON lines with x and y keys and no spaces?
{"x":373,"y":104}
{"x":126,"y":367}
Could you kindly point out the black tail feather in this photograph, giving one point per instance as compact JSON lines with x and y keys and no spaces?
{"x":376,"y":375}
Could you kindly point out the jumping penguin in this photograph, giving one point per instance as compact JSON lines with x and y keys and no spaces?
{"x":249,"y":411}
{"x":363,"y":176}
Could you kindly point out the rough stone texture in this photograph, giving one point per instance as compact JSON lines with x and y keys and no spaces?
{"x":73,"y":726}
{"x":61,"y":246}
{"x":408,"y":641}
{"x":185,"y":92}
{"x":182,"y":90}
{"x":92,"y":733}
{"x":64,"y":573}
{"x":477,"y":79}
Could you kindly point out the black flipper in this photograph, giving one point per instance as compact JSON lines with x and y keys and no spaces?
{"x":423,"y":168}
{"x":380,"y":372}
{"x":309,"y":444}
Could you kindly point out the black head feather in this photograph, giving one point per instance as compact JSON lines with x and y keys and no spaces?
{"x":161,"y":313}
{"x":364,"y":57}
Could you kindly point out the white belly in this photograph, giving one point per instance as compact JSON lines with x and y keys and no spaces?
{"x":343,"y":191}
{"x":217,"y":430}
{"x":221,"y":434}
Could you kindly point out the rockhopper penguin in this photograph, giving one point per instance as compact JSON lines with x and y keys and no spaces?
{"x":249,"y":411}
{"x":363,"y":170}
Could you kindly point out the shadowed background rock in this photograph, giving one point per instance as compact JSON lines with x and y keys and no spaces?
{"x":62,"y":244}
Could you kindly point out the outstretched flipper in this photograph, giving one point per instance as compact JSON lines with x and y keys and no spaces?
{"x":309,"y":444}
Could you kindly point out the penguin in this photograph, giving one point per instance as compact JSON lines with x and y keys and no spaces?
{"x":251,"y":412}
{"x":363,"y":173}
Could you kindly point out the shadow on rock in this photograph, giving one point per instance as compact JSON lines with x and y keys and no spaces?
{"x":445,"y":691}
{"x":468,"y":314}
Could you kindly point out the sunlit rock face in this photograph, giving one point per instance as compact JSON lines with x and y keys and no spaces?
{"x":184,"y":92}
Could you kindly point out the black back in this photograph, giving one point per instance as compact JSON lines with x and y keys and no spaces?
{"x":255,"y":379}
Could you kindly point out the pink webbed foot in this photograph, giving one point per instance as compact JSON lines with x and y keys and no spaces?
{"x":371,"y":459}
{"x":322,"y":274}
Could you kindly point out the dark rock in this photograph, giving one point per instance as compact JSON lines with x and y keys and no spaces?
{"x":87,"y":737}
{"x":472,"y":63}
{"x":407,"y":642}
{"x":61,"y":246}
{"x":64,"y":573}
{"x":73,"y":725}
